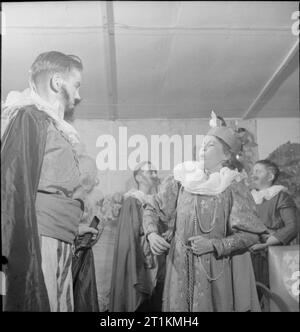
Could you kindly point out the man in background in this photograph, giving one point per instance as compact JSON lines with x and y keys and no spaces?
{"x":277,"y":211}
{"x":141,"y":288}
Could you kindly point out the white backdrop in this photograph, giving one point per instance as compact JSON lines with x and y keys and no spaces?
{"x":118,"y":180}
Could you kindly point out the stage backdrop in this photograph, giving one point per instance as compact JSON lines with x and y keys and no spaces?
{"x":112,"y":181}
{"x":273,"y":132}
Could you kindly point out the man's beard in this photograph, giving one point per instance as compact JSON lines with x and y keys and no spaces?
{"x":153,"y":185}
{"x":69,"y":108}
{"x":69,"y":114}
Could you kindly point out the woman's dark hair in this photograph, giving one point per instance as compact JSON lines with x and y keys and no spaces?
{"x":232,"y":162}
{"x":271,"y":166}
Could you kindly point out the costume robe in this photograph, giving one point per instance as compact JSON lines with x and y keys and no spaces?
{"x":218,"y":281}
{"x":22,"y":150}
{"x":42,"y":208}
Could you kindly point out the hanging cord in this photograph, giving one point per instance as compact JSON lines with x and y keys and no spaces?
{"x":209,"y":278}
{"x":197,"y":221}
{"x":189,"y":263}
{"x":190,"y":279}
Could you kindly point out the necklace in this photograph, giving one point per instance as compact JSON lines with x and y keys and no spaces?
{"x":197,"y":220}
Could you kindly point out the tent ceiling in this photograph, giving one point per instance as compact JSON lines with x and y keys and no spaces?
{"x":160,"y":59}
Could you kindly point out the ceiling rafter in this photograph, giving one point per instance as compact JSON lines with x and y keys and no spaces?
{"x":110,"y":58}
{"x":285,"y":69}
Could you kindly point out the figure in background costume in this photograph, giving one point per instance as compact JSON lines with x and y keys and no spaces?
{"x":138,"y":275}
{"x":277,"y":211}
{"x":208,"y":265}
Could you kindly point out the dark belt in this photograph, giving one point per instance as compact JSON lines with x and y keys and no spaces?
{"x":58,"y":216}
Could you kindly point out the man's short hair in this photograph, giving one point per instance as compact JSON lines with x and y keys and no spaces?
{"x":54,"y":62}
{"x":270,"y":165}
{"x":139,"y":168}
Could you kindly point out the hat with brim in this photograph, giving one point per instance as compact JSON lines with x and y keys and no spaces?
{"x":228,"y":136}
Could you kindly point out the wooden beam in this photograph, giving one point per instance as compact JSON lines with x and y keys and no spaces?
{"x":110,"y":58}
{"x":284,"y":70}
{"x":169,"y":48}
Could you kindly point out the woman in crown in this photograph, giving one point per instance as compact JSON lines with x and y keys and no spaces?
{"x":214,"y":221}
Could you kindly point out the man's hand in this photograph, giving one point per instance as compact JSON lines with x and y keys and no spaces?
{"x":168,"y":235}
{"x":83,"y":229}
{"x":270,"y":241}
{"x":264,"y":238}
{"x":158,"y":244}
{"x":258,"y":246}
{"x":201,"y":245}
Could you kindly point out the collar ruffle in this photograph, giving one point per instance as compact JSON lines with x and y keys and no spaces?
{"x":16,"y":100}
{"x":267,"y":194}
{"x":139,"y":195}
{"x":194,"y":180}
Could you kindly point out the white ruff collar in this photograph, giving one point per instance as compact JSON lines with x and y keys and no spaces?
{"x":268,"y":193}
{"x":139,"y":195}
{"x":196,"y":181}
{"x":15,"y":100}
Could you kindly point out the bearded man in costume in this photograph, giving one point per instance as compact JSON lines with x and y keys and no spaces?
{"x":277,"y":211}
{"x":208,"y":265}
{"x":138,"y":275}
{"x":41,"y":194}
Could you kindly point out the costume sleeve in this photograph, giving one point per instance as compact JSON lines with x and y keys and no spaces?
{"x":243,"y":227}
{"x":287,"y":210}
{"x":22,"y":150}
{"x":162,"y":208}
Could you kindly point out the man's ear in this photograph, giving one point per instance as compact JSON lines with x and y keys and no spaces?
{"x":56,"y":82}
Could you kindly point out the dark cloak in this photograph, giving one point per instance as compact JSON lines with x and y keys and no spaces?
{"x":22,"y":151}
{"x":129,"y":286}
